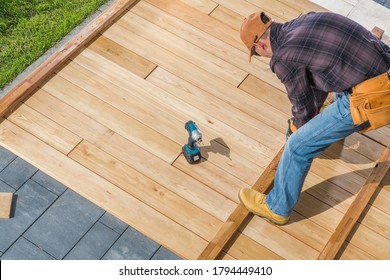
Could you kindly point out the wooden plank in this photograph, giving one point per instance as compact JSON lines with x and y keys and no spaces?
{"x":351,"y":158}
{"x":151,"y":193}
{"x":166,"y":114}
{"x":376,"y":220}
{"x":279,"y":241}
{"x":5,"y":205}
{"x":74,"y":120}
{"x":101,"y":192}
{"x":206,"y":81}
{"x":337,"y":174}
{"x":181,"y":47}
{"x":318,"y":212}
{"x":70,"y":118}
{"x":267,"y":93}
{"x":27,"y":85}
{"x":238,"y":216}
{"x":380,"y":135}
{"x":307,"y":231}
{"x":226,"y":257}
{"x":234,"y":54}
{"x":45,"y":129}
{"x":200,"y":20}
{"x":242,"y":247}
{"x":205,"y":6}
{"x":127,"y":99}
{"x":258,"y":128}
{"x":364,"y":145}
{"x":113,"y":118}
{"x":227,"y":16}
{"x":350,"y":252}
{"x":212,"y":176}
{"x":381,"y":199}
{"x":327,"y":192}
{"x":245,"y":8}
{"x":370,"y":242}
{"x":131,"y":90}
{"x":275,"y":7}
{"x":357,"y":207}
{"x":173,"y":179}
{"x":305,"y":6}
{"x":121,"y":56}
{"x":302,"y":230}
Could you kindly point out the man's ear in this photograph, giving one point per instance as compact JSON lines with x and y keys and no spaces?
{"x":261,"y":43}
{"x":264,"y":18}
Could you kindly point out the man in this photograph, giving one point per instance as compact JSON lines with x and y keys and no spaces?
{"x":312,"y":55}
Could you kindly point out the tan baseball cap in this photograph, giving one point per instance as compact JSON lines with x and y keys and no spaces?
{"x":253,"y":28}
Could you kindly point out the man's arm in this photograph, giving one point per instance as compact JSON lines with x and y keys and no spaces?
{"x":306,"y":102}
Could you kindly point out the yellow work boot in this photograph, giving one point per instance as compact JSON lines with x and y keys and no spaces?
{"x":254,"y":201}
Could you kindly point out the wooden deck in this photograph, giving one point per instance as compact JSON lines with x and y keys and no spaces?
{"x":109,"y":124}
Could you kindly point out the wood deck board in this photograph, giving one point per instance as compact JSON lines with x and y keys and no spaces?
{"x":227,"y":16}
{"x":153,"y":194}
{"x":5,"y":205}
{"x":114,"y":114}
{"x":242,"y":247}
{"x":109,"y":197}
{"x":45,"y":129}
{"x":179,"y":182}
{"x":151,"y":114}
{"x":69,"y":118}
{"x":121,"y":56}
{"x":209,"y":42}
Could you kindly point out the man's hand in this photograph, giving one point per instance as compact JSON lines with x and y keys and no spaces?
{"x":291,"y":128}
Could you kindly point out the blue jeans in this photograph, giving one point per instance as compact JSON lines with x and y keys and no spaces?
{"x":331,"y":125}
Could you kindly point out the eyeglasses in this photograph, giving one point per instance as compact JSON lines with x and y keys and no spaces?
{"x":253,"y":49}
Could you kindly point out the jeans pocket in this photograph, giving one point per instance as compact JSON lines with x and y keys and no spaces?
{"x":343,"y":105}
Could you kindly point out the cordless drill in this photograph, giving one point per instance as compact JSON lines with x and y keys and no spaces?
{"x":191,"y":150}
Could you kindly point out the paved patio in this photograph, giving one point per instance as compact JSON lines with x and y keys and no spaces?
{"x":50,"y":221}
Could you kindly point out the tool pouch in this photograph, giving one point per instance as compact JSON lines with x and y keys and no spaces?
{"x":370,"y":101}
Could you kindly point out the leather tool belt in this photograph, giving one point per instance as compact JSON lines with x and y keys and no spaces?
{"x":370,"y":102}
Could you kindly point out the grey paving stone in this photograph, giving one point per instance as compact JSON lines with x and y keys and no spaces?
{"x":113,"y":222}
{"x":49,"y":183}
{"x":31,"y":200}
{"x":59,"y":229}
{"x":6,"y":188}
{"x":164,"y":254}
{"x":17,"y":173}
{"x":380,"y":1}
{"x":23,"y":249}
{"x":132,"y":245}
{"x":6,"y":157}
{"x":94,"y":244}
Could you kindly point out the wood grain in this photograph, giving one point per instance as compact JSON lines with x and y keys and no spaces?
{"x":5,"y":205}
{"x":238,"y":216}
{"x":357,"y":207}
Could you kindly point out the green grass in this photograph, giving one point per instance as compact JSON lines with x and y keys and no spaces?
{"x":28,"y":28}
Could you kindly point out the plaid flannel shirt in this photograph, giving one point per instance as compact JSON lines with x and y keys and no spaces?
{"x":319,"y":53}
